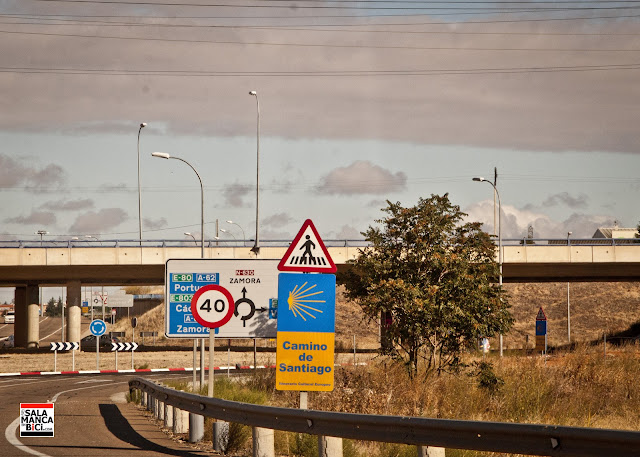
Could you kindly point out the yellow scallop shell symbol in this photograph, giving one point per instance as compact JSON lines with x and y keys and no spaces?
{"x":297,"y":299}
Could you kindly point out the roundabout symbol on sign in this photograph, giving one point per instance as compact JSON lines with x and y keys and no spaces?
{"x":97,"y":327}
{"x":212,"y":306}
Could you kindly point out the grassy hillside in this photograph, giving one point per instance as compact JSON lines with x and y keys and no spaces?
{"x":595,"y":308}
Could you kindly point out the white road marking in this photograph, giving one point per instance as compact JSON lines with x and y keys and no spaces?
{"x":12,"y":430}
{"x":10,"y":435}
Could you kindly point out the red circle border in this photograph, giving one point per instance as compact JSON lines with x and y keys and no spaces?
{"x":194,"y":308}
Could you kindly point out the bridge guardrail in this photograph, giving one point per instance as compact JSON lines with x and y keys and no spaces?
{"x":529,"y":439}
{"x":529,"y":242}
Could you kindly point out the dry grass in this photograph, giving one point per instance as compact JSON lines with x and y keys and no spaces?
{"x":596,"y":308}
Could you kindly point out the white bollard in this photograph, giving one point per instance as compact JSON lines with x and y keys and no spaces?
{"x":431,"y":451}
{"x":329,"y":446}
{"x":263,"y":442}
{"x":180,"y":421}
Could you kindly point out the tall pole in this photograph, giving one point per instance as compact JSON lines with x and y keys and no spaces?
{"x":164,"y":155}
{"x":568,"y":294}
{"x":496,"y":193}
{"x":142,"y":125}
{"x":256,"y":247}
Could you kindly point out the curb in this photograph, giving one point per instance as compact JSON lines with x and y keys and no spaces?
{"x":139,"y":370}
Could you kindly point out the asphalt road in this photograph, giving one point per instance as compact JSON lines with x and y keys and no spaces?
{"x":91,"y":418}
{"x":50,"y":329}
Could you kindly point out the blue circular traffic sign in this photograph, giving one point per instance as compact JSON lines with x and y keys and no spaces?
{"x":98,"y":327}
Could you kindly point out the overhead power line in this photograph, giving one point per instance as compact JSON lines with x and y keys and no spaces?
{"x":324,"y":45}
{"x":323,"y":73}
{"x":61,"y":21}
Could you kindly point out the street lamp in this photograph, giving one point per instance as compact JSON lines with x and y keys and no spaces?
{"x":94,"y":237}
{"x":480,"y":179}
{"x":568,"y":293}
{"x":164,"y":155}
{"x":142,"y":125}
{"x":244,"y":237}
{"x":226,"y":231}
{"x":41,"y":233}
{"x":256,"y":247}
{"x":194,"y":238}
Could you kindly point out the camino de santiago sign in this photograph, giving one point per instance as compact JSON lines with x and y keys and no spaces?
{"x":306,"y":319}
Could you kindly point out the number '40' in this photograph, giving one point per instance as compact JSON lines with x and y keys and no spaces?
{"x":218,"y":306}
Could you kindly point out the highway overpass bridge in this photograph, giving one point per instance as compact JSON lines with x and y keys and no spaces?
{"x":27,"y":265}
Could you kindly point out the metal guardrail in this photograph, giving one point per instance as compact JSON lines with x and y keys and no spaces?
{"x":529,"y":439}
{"x":164,"y":243}
{"x":284,"y":243}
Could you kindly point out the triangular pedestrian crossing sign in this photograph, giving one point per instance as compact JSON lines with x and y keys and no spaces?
{"x":541,"y":315}
{"x":307,"y":253}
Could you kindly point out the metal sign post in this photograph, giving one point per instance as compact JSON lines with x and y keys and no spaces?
{"x":212,"y":306}
{"x":97,"y":328}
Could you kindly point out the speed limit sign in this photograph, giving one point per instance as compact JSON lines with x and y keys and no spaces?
{"x":212,"y":306}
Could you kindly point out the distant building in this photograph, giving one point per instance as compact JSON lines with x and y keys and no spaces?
{"x":615,"y":232}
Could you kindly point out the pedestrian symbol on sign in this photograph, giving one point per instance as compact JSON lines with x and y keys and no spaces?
{"x":307,"y":253}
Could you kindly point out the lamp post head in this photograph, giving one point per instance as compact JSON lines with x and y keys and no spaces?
{"x":187,"y":233}
{"x":479,"y":179}
{"x":253,"y":92}
{"x":162,"y":155}
{"x":143,"y":125}
{"x":569,"y":234}
{"x":229,"y":222}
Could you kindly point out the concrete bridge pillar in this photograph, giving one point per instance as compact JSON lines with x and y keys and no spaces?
{"x":20,"y":325}
{"x":74,"y":304}
{"x":26,"y":329}
{"x":32,"y":315}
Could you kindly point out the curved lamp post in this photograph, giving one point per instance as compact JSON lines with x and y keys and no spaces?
{"x":191,"y":235}
{"x":481,"y":179}
{"x":164,"y":155}
{"x":142,"y":125}
{"x":256,"y":247}
{"x":229,"y":233}
{"x":244,"y":237}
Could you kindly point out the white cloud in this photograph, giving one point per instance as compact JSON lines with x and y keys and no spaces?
{"x":98,"y":222}
{"x":277,"y":220}
{"x":13,"y":174}
{"x":35,"y":218}
{"x":154,"y":224}
{"x":68,"y":205}
{"x":235,"y":193}
{"x":362,"y":177}
{"x":515,"y":222}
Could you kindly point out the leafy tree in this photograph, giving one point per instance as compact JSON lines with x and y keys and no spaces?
{"x":433,"y":278}
{"x":53,"y":308}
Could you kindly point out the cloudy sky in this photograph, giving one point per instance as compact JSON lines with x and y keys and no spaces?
{"x":360,"y":102}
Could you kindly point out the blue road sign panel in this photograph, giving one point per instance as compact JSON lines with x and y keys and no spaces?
{"x":181,"y":287}
{"x":252,"y":284}
{"x":541,"y":328}
{"x":97,"y":327}
{"x":306,"y":302}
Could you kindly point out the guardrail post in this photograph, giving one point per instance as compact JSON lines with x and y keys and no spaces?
{"x":149,"y":403}
{"x":220,"y":435}
{"x":431,"y":451}
{"x":263,"y":443}
{"x":329,"y":446}
{"x":180,"y":420}
{"x":168,"y":416}
{"x":160,"y":411}
{"x":196,"y":428}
